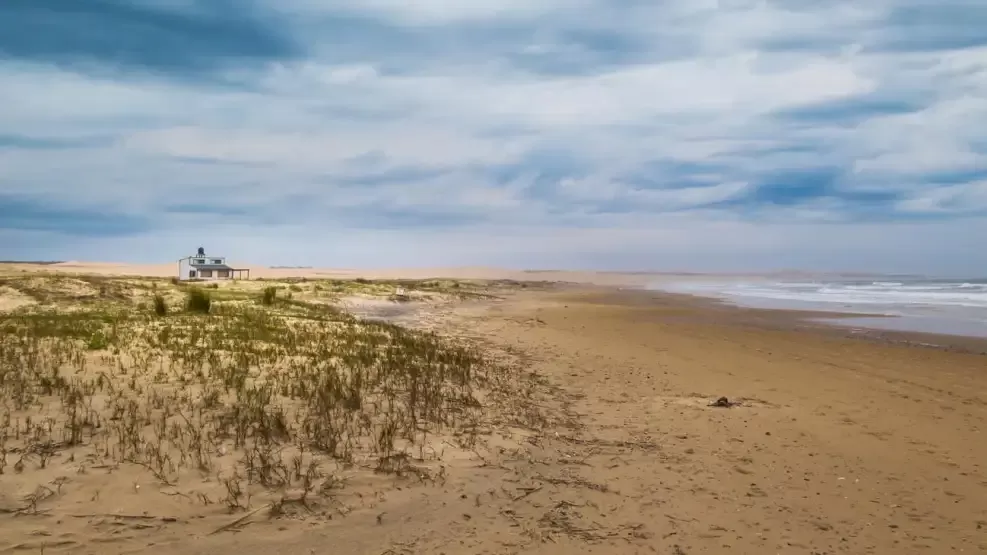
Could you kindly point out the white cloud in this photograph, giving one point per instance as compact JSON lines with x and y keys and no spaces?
{"x":425,"y":12}
{"x":660,"y":200}
{"x":329,"y":148}
{"x":938,"y":138}
{"x":963,"y":198}
{"x":727,"y":87}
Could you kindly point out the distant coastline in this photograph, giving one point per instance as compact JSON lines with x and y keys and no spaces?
{"x":895,"y":302}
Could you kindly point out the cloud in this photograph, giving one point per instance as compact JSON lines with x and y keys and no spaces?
{"x":949,"y":199}
{"x":430,"y":12}
{"x":47,"y":143}
{"x":173,"y":37}
{"x":31,"y":214}
{"x":590,"y":133}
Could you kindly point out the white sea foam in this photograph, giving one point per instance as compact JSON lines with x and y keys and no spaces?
{"x":923,"y":305}
{"x":889,"y":294}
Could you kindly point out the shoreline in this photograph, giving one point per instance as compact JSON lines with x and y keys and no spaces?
{"x":842,"y":323}
{"x":941,"y":307}
{"x":768,"y":318}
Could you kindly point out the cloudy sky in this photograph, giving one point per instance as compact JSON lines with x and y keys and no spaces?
{"x":623,"y":134}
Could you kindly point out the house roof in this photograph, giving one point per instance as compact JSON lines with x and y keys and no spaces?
{"x":212,"y":267}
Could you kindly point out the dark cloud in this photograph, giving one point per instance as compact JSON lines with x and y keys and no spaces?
{"x":851,"y":111}
{"x":27,"y":213}
{"x":52,"y":143}
{"x":919,"y":26}
{"x":137,"y":36}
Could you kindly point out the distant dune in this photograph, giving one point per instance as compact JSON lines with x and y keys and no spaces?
{"x":629,"y":279}
{"x":601,"y":277}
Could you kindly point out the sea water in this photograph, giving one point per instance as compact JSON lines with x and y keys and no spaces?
{"x":945,"y":306}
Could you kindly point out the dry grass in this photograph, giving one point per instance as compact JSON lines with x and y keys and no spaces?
{"x":239,"y":403}
{"x":335,"y":288}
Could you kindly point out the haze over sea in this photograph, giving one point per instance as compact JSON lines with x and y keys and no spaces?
{"x":945,"y":306}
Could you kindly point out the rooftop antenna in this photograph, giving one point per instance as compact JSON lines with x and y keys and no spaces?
{"x":202,"y":251}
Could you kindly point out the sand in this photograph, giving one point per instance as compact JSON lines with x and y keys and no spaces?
{"x":831,"y":444}
{"x":11,"y":299}
{"x":264,"y":272}
{"x":837,"y":444}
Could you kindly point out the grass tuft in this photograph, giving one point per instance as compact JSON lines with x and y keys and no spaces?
{"x":160,"y":306}
{"x":198,"y":300}
{"x":269,"y":296}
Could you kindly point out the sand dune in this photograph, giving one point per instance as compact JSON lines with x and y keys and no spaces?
{"x":258,"y":271}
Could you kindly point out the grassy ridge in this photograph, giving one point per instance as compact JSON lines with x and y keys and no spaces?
{"x":257,"y":392}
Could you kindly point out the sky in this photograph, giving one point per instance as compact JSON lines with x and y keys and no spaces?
{"x":701,"y":135}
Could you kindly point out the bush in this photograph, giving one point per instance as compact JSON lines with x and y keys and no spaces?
{"x":160,"y":308}
{"x":270,"y":295}
{"x":98,"y":341}
{"x":198,"y":301}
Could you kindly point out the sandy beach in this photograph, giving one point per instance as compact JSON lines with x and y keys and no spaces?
{"x":612,"y":440}
{"x":837,"y":445}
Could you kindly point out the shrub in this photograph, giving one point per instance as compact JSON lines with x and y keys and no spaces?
{"x":198,"y":301}
{"x":270,"y":295}
{"x":160,"y":308}
{"x":98,"y":341}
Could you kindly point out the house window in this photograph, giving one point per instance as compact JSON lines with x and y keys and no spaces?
{"x":217,"y":260}
{"x":191,"y":273}
{"x":222,"y":273}
{"x":199,"y":261}
{"x":205,"y":273}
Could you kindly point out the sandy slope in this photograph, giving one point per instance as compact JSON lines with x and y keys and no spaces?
{"x":11,"y":299}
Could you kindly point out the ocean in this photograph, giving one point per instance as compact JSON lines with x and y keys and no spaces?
{"x":952,"y":307}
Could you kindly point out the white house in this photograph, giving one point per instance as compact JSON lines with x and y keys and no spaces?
{"x":205,"y":267}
